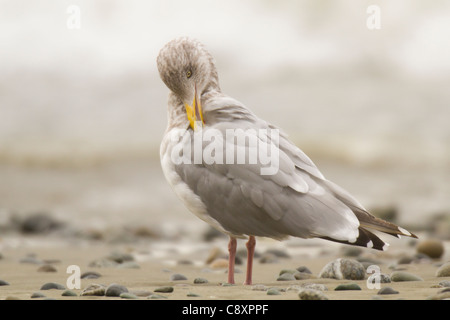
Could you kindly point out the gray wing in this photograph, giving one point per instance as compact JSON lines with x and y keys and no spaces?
{"x":294,"y":201}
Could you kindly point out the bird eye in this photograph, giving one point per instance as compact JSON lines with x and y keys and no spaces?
{"x":188,"y":74}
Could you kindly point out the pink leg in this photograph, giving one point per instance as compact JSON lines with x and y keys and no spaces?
{"x":231,"y":258}
{"x":251,"y":243}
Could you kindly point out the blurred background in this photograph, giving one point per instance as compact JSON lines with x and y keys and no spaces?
{"x":83,"y":110}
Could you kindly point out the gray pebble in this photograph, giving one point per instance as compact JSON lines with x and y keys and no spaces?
{"x":444,"y":270}
{"x":90,"y":275}
{"x":141,"y":293}
{"x":52,"y":285}
{"x":166,"y":289}
{"x":156,"y":296}
{"x":39,"y":223}
{"x":120,"y":257}
{"x":200,"y":280}
{"x":94,"y":290}
{"x":69,"y":293}
{"x":4,"y":283}
{"x":102,"y":263}
{"x":114,"y":290}
{"x":268,"y":258}
{"x":314,"y":286}
{"x":226,"y":284}
{"x":177,"y":277}
{"x":273,"y":292}
{"x":127,"y":295}
{"x":304,"y":269}
{"x":38,"y":295}
{"x":387,"y":290}
{"x":342,"y":268}
{"x":286,"y":277}
{"x":291,"y":271}
{"x":347,"y":286}
{"x":303,"y":275}
{"x":398,"y":276}
{"x":191,"y":294}
{"x":405,"y":260}
{"x":259,"y":287}
{"x":311,"y":294}
{"x":47,"y":268}
{"x":445,"y":283}
{"x":440,"y":296}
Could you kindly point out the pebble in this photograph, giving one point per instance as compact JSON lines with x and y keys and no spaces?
{"x":47,"y":268}
{"x":52,"y":285}
{"x":286,"y":277}
{"x":347,"y":286}
{"x":200,"y":280}
{"x":303,"y":275}
{"x":444,"y":270}
{"x":219,"y":263}
{"x":141,"y":293}
{"x":38,"y":295}
{"x":314,"y":286}
{"x":399,"y":276}
{"x":191,"y":294}
{"x":156,"y":296}
{"x":431,"y":247}
{"x":39,"y":223}
{"x":342,"y":268}
{"x":291,"y":271}
{"x":214,"y":253}
{"x":445,"y":283}
{"x":177,"y":277}
{"x":90,"y":275}
{"x":102,"y":263}
{"x":273,"y":292}
{"x":303,"y":269}
{"x":405,"y":260}
{"x":440,"y":296}
{"x":4,"y":283}
{"x":387,"y":290}
{"x":166,"y":289}
{"x":311,"y":294}
{"x":120,"y":257}
{"x":94,"y":290}
{"x":268,"y":258}
{"x":127,"y":295}
{"x":68,"y":293}
{"x":114,"y":290}
{"x":259,"y":287}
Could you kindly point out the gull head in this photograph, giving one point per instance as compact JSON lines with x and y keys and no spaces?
{"x":188,"y":70}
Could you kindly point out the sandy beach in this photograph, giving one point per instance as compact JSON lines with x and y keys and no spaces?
{"x":83,"y":111}
{"x":29,"y":262}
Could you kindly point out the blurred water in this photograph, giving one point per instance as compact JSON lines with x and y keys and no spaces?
{"x":360,"y":97}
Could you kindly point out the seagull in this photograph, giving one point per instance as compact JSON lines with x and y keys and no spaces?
{"x":238,"y":198}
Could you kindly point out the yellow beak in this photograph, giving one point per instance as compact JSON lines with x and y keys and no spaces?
{"x":194,"y":112}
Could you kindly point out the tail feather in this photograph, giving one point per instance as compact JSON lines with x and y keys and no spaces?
{"x":365,"y":239}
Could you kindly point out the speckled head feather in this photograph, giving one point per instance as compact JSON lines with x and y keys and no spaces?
{"x":183,"y":63}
